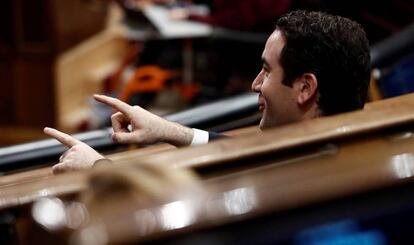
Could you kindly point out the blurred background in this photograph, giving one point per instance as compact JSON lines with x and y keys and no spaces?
{"x":163,"y":55}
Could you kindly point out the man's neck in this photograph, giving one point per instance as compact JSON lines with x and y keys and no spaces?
{"x":313,"y":112}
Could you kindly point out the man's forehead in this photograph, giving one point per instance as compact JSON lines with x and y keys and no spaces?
{"x":274,"y":45}
{"x":276,"y":34}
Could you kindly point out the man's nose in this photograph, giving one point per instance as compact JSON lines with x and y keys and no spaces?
{"x":257,"y":82}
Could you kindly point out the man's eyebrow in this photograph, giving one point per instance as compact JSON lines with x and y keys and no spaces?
{"x":265,"y":63}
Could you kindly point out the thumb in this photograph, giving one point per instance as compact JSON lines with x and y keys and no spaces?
{"x":59,"y":168}
{"x":125,"y":138}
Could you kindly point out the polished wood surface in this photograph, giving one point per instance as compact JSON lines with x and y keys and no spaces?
{"x":235,"y":150}
{"x":386,"y":114}
{"x":355,"y":168}
{"x":46,"y":172}
{"x":26,"y":176}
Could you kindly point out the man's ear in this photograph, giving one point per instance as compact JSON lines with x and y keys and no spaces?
{"x":307,"y":88}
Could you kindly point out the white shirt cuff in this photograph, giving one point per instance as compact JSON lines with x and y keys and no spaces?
{"x":199,"y":137}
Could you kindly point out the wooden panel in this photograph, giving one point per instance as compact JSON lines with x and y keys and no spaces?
{"x":12,"y":135}
{"x":43,"y":173}
{"x":75,"y":21}
{"x":386,"y":114}
{"x":32,"y":30}
{"x":33,"y":96}
{"x":296,"y":143}
{"x":379,"y":163}
{"x":25,"y":177}
{"x":32,"y":33}
{"x":7,"y":105}
{"x":6,"y":74}
{"x":6,"y":28}
{"x":80,"y":72}
{"x":55,"y":25}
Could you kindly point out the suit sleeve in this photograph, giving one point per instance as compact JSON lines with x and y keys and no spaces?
{"x":203,"y":137}
{"x":215,"y":136}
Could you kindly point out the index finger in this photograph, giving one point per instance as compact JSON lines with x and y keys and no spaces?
{"x":115,"y":103}
{"x":63,"y":138}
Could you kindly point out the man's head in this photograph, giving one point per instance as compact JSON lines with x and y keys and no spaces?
{"x":313,"y":64}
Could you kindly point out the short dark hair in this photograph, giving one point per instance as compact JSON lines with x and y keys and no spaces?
{"x":333,"y":48}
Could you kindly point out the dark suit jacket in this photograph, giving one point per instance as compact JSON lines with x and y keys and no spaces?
{"x":215,"y":136}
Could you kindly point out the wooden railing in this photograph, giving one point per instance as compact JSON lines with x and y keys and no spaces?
{"x":353,"y":167}
{"x":292,"y":143}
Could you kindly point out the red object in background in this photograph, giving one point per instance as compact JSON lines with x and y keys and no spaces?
{"x":113,"y":82}
{"x":187,"y":91}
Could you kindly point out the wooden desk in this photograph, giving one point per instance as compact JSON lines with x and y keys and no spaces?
{"x":45,"y":173}
{"x":297,"y":142}
{"x":357,"y":168}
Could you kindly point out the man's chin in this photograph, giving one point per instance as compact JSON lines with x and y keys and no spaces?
{"x":262,"y":124}
{"x":266,"y":124}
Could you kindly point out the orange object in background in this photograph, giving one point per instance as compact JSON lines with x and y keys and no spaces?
{"x":113,"y":82}
{"x":149,"y":78}
{"x":187,"y":91}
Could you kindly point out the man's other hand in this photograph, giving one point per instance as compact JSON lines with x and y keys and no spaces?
{"x":146,"y":128}
{"x":79,"y":156}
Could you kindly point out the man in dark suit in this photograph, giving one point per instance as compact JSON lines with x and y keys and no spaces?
{"x":314,"y":64}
